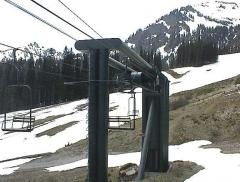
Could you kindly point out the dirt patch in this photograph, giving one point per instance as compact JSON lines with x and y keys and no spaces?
{"x":178,"y":172}
{"x":74,"y":175}
{"x":125,"y":141}
{"x":57,"y":129}
{"x":176,"y":75}
{"x":41,"y":122}
{"x":213,"y":116}
{"x":227,"y":147}
{"x":237,"y":82}
{"x":82,"y":107}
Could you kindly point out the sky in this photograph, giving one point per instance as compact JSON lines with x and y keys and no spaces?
{"x":117,"y":19}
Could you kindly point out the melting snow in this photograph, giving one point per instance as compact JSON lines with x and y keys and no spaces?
{"x":227,"y":66}
{"x":226,"y":11}
{"x":11,"y":166}
{"x":213,"y":161}
{"x":197,"y":20}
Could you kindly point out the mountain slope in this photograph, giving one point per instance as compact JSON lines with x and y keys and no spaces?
{"x":215,"y":21}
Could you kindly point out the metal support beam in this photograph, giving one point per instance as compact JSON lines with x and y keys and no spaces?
{"x":115,"y":43}
{"x":98,"y":117}
{"x":119,"y":66}
{"x":146,"y":142}
{"x":157,"y":156}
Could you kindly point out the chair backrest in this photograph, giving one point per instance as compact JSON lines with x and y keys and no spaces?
{"x":18,"y":97}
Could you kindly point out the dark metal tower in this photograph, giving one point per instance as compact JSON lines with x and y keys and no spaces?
{"x":155,"y":117}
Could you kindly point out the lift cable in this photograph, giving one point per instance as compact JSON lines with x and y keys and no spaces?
{"x":19,"y":48}
{"x":80,"y":18}
{"x":26,"y":11}
{"x":39,"y":55}
{"x":3,"y":51}
{"x":9,"y":46}
{"x":40,"y":19}
{"x":67,"y":22}
{"x":50,"y":73}
{"x":44,"y":21}
{"x":62,"y":19}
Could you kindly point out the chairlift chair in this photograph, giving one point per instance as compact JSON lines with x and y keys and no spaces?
{"x":18,"y":97}
{"x":125,"y":122}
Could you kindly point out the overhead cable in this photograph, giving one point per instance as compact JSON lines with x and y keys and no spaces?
{"x":2,"y":51}
{"x":80,"y":19}
{"x":39,"y":55}
{"x":46,"y":9}
{"x":40,"y":19}
{"x":62,"y":19}
{"x":6,"y":45}
{"x":35,"y":16}
{"x":18,"y":48}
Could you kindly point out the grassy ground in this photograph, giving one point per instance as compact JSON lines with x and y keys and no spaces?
{"x":178,"y":172}
{"x":211,"y":113}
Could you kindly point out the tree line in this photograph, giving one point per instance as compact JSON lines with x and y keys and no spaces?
{"x":204,"y":45}
{"x":46,"y":76}
{"x":195,"y":53}
{"x":54,"y":77}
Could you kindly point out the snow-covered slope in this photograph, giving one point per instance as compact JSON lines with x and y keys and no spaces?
{"x":15,"y":145}
{"x":189,"y":23}
{"x":213,"y":161}
{"x":221,"y":11}
{"x":227,"y":66}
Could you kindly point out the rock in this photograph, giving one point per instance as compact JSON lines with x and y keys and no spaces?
{"x":128,"y":172}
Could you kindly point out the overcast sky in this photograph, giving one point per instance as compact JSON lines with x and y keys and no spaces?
{"x":110,"y":18}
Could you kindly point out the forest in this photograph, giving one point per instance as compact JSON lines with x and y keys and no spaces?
{"x":45,"y":75}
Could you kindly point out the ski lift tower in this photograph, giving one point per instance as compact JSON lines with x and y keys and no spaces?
{"x":155,"y":99}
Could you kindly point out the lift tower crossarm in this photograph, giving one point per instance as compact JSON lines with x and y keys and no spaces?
{"x":117,"y":44}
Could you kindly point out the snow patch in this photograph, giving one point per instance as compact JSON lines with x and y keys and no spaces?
{"x":213,"y":161}
{"x":131,"y":45}
{"x":220,"y":10}
{"x":226,"y":67}
{"x":162,"y":51}
{"x":9,"y":167}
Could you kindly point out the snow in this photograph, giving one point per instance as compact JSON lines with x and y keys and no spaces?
{"x":28,"y":144}
{"x":226,"y":67}
{"x":164,"y":23}
{"x":153,"y":36}
{"x":162,"y":51}
{"x":213,"y":161}
{"x":215,"y":10}
{"x":182,"y":32}
{"x":120,"y":100}
{"x":113,"y":161}
{"x":131,"y":45}
{"x":168,"y":35}
{"x":193,"y":24}
{"x":9,"y":167}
